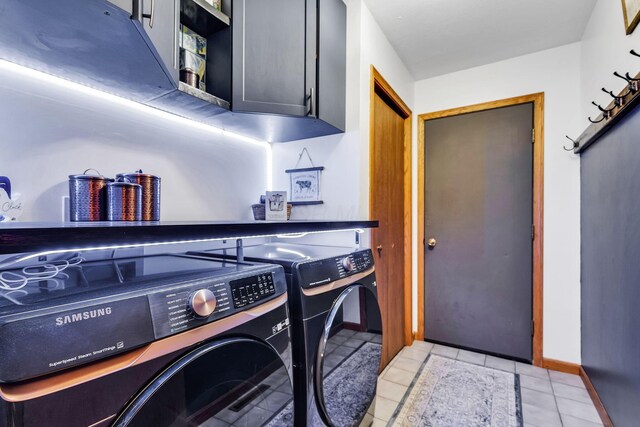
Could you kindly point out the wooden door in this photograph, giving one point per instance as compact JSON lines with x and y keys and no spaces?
{"x":389,"y":169}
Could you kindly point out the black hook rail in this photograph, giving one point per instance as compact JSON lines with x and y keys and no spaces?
{"x":620,"y":106}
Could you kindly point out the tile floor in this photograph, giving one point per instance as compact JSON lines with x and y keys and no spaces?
{"x":549,"y":398}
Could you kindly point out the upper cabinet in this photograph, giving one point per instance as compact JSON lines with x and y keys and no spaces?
{"x":276,"y":68}
{"x":273,"y":70}
{"x":91,"y":42}
{"x":290,"y":58}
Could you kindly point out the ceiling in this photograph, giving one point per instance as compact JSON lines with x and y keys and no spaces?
{"x":435,"y":37}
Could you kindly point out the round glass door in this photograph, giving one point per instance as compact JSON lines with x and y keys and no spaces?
{"x":239,"y":382}
{"x":348,"y":359}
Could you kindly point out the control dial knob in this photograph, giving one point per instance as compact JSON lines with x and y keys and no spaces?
{"x":202,"y":303}
{"x":348,"y":264}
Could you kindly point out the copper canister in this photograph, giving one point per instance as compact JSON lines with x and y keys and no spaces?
{"x":124,"y":201}
{"x":88,"y":197}
{"x":150,"y":193}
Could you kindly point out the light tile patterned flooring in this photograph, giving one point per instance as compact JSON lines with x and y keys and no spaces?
{"x":549,"y":398}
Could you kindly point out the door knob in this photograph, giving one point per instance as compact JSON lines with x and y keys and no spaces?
{"x":379,"y":248}
{"x":432,"y":243}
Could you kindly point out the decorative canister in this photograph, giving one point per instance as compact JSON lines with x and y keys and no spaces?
{"x":124,"y":201}
{"x":88,"y":196}
{"x":150,"y":193}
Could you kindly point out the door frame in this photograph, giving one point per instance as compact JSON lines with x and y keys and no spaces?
{"x":379,"y":83}
{"x":538,"y":205}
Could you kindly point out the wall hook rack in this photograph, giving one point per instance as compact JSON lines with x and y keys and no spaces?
{"x":618,"y":99}
{"x":595,"y":121}
{"x":575,"y":145}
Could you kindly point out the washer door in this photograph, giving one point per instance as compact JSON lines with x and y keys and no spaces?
{"x":348,"y":359}
{"x":239,"y":382}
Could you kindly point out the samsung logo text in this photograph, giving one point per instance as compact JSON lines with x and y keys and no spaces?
{"x":83,"y":315}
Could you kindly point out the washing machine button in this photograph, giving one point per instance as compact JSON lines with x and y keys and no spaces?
{"x":348,"y":264}
{"x":202,"y":303}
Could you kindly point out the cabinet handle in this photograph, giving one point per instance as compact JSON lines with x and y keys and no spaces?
{"x":312,"y":104}
{"x":151,"y":15}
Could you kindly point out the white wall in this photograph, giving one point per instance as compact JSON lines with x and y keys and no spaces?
{"x":605,"y":49}
{"x":50,"y":130}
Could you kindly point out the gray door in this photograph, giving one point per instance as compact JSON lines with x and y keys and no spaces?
{"x":479,"y":209}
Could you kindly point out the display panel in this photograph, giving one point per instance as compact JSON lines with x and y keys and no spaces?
{"x":251,"y":289}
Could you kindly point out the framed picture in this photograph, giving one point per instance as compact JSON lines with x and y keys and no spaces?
{"x":631,"y":12}
{"x":276,"y":206}
{"x":305,"y":185}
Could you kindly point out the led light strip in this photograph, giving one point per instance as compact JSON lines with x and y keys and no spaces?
{"x":175,"y":242}
{"x":30,"y":73}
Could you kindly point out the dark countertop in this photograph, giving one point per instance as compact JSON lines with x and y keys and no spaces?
{"x":18,"y":237}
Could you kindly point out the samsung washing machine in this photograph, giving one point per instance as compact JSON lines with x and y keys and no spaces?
{"x":150,"y":341}
{"x":336,"y":329}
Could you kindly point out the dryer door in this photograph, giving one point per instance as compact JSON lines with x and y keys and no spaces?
{"x":238,"y":381}
{"x":348,"y":359}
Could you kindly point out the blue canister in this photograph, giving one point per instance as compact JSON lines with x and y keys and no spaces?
{"x":124,"y":201}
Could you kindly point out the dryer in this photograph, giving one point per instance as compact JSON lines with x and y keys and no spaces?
{"x":336,"y":329}
{"x":148,"y":341}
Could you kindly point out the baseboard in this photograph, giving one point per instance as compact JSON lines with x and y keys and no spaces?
{"x":561,"y":366}
{"x":354,"y":326}
{"x":604,"y":416}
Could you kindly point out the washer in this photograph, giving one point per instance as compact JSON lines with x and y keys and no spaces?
{"x":336,"y":329}
{"x":149,"y":341}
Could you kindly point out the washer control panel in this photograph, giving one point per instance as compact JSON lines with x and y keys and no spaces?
{"x":354,"y":263}
{"x":252,"y":289}
{"x":199,"y":302}
{"x":322,"y":272}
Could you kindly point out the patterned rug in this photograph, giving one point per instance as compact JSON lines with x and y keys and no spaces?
{"x":347,"y":393}
{"x":450,"y":393}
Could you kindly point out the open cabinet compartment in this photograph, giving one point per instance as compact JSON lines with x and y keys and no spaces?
{"x":214,"y":26}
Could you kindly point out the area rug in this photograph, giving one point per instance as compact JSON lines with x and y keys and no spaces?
{"x":451,"y":393}
{"x":347,"y":393}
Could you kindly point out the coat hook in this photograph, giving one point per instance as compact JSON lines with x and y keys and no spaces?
{"x":596,"y":121}
{"x":634,"y":53}
{"x":606,"y":113}
{"x":617,"y":99}
{"x":633,"y":83}
{"x":576,"y":144}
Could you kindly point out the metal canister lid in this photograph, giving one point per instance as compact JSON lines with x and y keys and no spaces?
{"x":86,"y":177}
{"x":137,"y":173}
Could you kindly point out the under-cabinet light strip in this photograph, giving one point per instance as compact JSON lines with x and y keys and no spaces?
{"x":146,"y":109}
{"x":174,"y":242}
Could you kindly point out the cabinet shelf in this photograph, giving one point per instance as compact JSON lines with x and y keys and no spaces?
{"x":202,"y":18}
{"x":204,"y":96}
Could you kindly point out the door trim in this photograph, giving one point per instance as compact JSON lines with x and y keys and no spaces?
{"x":379,"y":83}
{"x":538,"y":205}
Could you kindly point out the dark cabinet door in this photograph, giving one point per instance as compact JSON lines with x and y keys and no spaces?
{"x":331,"y":62}
{"x":159,"y":20}
{"x":269,"y":57}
